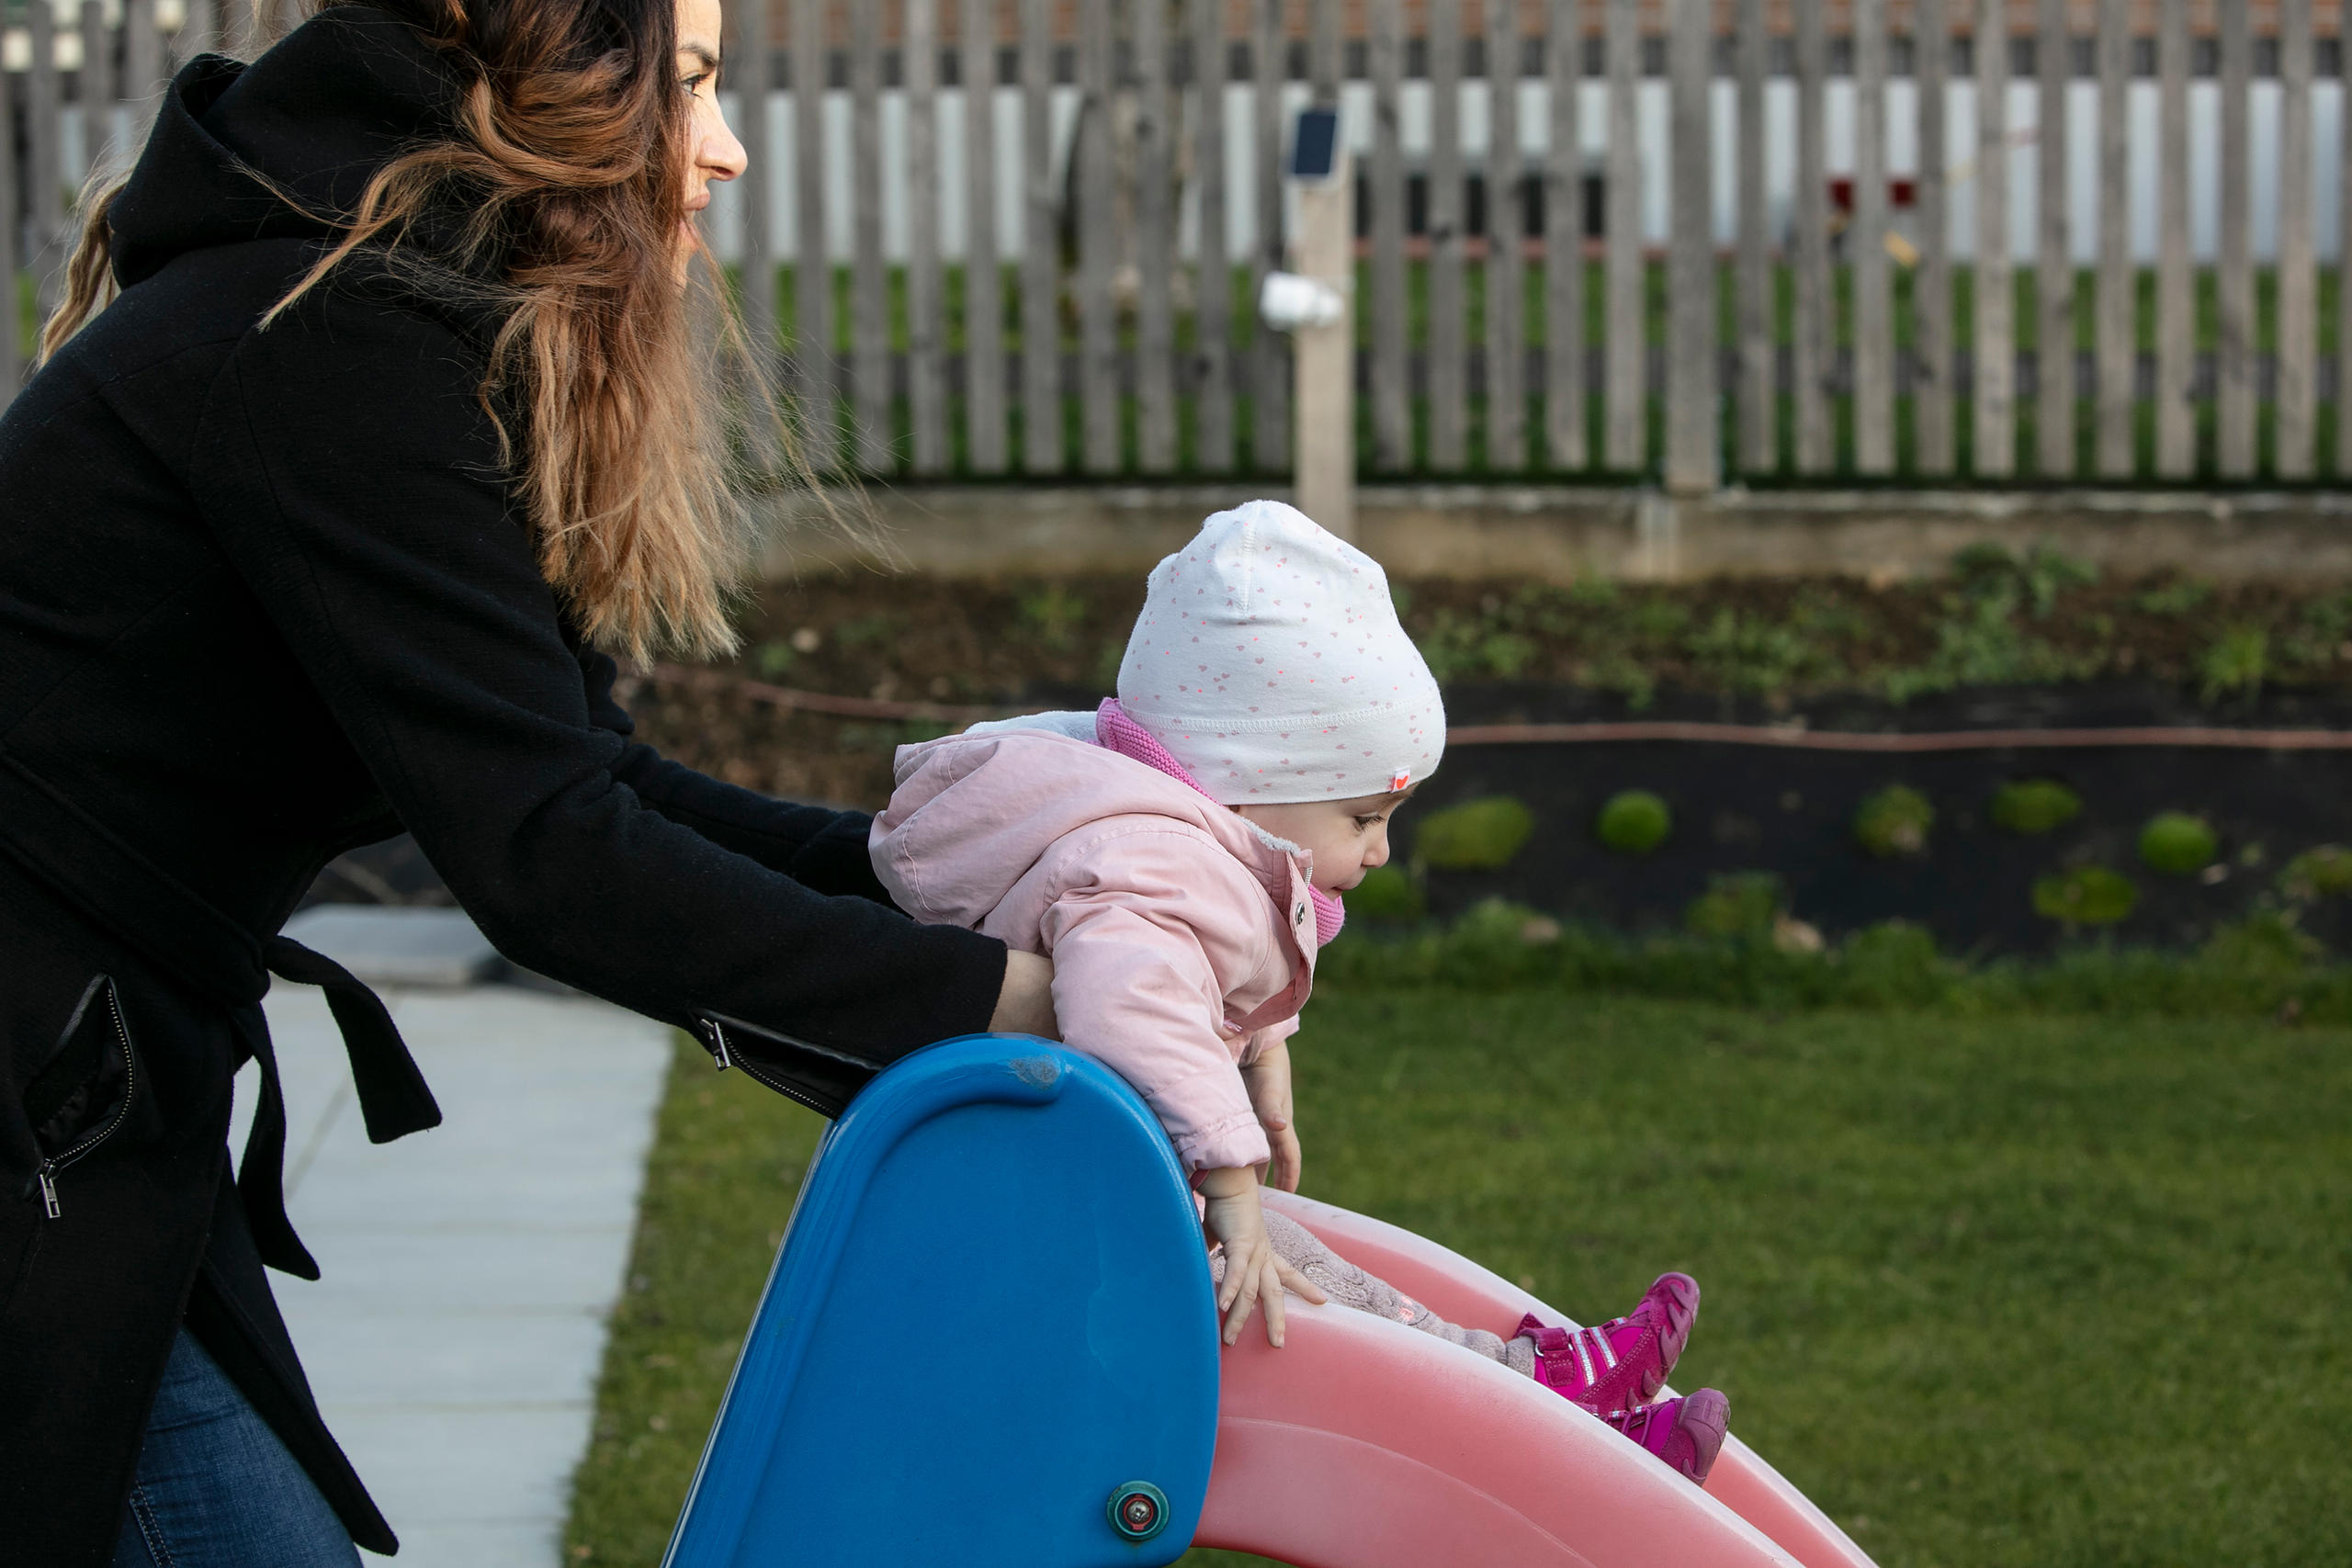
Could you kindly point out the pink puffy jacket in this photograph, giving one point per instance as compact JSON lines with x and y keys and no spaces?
{"x":1182,"y":937}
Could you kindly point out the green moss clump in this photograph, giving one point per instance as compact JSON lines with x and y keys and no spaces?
{"x":2321,"y":872}
{"x":1743,"y":906}
{"x":2032,"y":807}
{"x":1894,"y":821}
{"x":1386,"y":894}
{"x":2177,"y":845}
{"x":1476,"y":835}
{"x":2086,"y":895}
{"x":1634,"y":822}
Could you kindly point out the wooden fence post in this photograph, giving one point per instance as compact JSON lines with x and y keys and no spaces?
{"x":1270,"y":369}
{"x":1934,"y":371}
{"x":1212,"y":272}
{"x":1627,"y":447}
{"x":1392,"y":413}
{"x":1041,"y":327}
{"x":1444,"y":207}
{"x":812,"y":269}
{"x":2233,"y":396}
{"x":2298,"y":307}
{"x":1866,"y":252}
{"x":2053,"y":361}
{"x":926,"y":309}
{"x":2175,"y":284}
{"x":1506,"y":320}
{"x":1565,"y":440}
{"x":1814,"y":313}
{"x":12,"y":234}
{"x":1155,"y":242}
{"x":44,"y":165}
{"x":1098,"y":326}
{"x":1759,"y":347}
{"x":869,"y":300}
{"x":2118,"y":345}
{"x":1694,"y":425}
{"x":984,"y":432}
{"x":1994,"y":421}
{"x":751,"y":66}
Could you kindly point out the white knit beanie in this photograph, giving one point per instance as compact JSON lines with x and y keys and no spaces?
{"x":1267,"y":661}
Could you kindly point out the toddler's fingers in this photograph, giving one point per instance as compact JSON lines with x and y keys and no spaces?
{"x":1269,"y":1292}
{"x":1299,"y":1284}
{"x":1248,"y":1298}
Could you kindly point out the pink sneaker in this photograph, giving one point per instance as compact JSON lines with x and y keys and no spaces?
{"x":1621,"y":1364}
{"x":1687,"y":1433}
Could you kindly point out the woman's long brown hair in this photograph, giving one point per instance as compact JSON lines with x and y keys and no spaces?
{"x":569,"y":167}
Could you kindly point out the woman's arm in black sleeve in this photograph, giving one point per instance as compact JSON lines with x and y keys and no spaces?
{"x":819,"y":848}
{"x":346,"y":465}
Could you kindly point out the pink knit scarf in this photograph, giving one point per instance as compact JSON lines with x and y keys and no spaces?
{"x":1115,"y":730}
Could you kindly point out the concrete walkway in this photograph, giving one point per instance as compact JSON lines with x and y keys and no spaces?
{"x":455,"y":1337}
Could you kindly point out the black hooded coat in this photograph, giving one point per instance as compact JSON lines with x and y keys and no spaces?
{"x":263,"y":597}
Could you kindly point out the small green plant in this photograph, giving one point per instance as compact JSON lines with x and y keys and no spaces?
{"x":2175,"y":598}
{"x":2322,"y":873}
{"x":1387,"y":896}
{"x":1634,"y":822}
{"x":773,"y":659}
{"x":1894,"y":821}
{"x":2033,"y":806}
{"x":1476,"y":835}
{"x":1743,"y":906}
{"x":2266,"y":945}
{"x":2086,"y":895}
{"x":2177,"y":845}
{"x":2236,"y":662}
{"x":1052,"y":615}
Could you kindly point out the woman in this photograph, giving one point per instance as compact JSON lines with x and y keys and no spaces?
{"x":327,"y":527}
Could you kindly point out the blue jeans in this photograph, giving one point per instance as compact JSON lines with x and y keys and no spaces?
{"x":216,"y":1488}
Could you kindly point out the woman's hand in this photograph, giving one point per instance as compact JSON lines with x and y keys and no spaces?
{"x":1268,"y":1081}
{"x":1253,"y":1272}
{"x":1025,"y":1005}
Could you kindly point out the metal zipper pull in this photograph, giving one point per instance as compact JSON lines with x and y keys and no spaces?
{"x":718,"y":1045}
{"x":48,"y":1188}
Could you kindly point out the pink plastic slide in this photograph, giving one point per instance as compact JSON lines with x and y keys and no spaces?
{"x":1363,"y":1444}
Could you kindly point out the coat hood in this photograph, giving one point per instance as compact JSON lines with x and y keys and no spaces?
{"x":972,"y":814}
{"x":316,"y":116}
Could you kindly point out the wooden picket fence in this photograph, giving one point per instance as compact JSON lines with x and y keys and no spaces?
{"x":1054,"y":275}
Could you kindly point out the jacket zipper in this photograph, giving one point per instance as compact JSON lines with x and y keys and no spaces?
{"x":724,"y":1058}
{"x":48,"y":1169}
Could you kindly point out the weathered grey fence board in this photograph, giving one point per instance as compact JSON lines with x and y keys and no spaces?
{"x":1041,"y":370}
{"x":1098,"y":326}
{"x":2054,"y":258}
{"x":142,"y":66}
{"x":1269,"y":353}
{"x":1213,"y":274}
{"x":2176,"y":296}
{"x":2344,"y":259}
{"x":2118,"y":288}
{"x":1931,"y":301}
{"x":1447,"y":448}
{"x":1506,"y":320}
{"x":1323,"y":50}
{"x":984,"y":412}
{"x":1758,"y":396}
{"x":44,"y":196}
{"x":1156,"y":239}
{"x":1564,"y":410}
{"x":1693,"y":431}
{"x":749,"y":65}
{"x":1625,"y":444}
{"x":812,"y":270}
{"x":926,"y":309}
{"x":2297,"y":306}
{"x":12,"y":359}
{"x":1994,"y":423}
{"x":1392,"y":411}
{"x":94,"y":87}
{"x":1866,"y":245}
{"x":1810,"y":331}
{"x":199,"y":32}
{"x":2233,"y":396}
{"x":869,"y":300}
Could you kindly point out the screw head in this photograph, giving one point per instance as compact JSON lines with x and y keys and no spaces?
{"x":1138,"y":1511}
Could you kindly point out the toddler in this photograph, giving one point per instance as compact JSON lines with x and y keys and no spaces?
{"x":1180,"y":853}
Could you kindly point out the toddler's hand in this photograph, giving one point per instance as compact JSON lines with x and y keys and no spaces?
{"x":1253,"y":1272}
{"x":1268,"y":1081}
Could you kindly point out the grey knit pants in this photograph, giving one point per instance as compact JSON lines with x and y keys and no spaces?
{"x":1349,"y":1286}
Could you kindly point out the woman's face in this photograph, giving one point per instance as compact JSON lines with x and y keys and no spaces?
{"x":712,"y":151}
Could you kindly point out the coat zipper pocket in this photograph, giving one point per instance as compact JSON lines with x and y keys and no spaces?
{"x":46,"y":1174}
{"x":722,"y":1057}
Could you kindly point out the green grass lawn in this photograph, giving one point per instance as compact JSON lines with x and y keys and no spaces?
{"x":2045,"y":1290}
